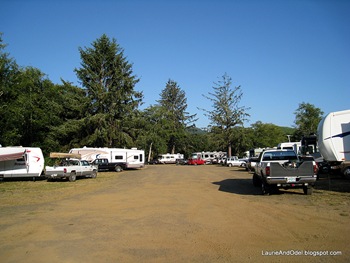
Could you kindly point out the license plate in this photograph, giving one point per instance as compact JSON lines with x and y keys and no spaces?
{"x":291,"y":179}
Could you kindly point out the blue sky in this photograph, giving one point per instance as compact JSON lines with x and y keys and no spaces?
{"x":281,"y":53}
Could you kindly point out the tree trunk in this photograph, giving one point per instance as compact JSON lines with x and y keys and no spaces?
{"x":150,"y":152}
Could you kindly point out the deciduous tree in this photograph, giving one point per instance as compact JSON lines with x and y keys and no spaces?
{"x":307,"y":118}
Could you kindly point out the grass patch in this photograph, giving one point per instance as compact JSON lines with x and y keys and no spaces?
{"x":25,"y":191}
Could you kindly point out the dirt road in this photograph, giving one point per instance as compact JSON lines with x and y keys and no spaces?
{"x":169,"y":213}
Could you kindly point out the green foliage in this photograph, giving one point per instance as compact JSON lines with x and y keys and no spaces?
{"x":36,"y":112}
{"x":175,"y":119}
{"x":226,"y":113}
{"x":109,"y":82}
{"x":266,"y":135}
{"x":307,"y":118}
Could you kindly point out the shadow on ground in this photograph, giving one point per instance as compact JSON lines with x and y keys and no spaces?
{"x":245,"y":186}
{"x":238,"y":186}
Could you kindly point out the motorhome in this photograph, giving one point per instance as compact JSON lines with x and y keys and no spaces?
{"x":170,"y":158}
{"x":131,"y":158}
{"x":17,"y":161}
{"x":334,"y":140}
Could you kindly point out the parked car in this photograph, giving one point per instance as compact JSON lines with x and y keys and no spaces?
{"x":251,"y":163}
{"x":198,"y":161}
{"x":181,"y":161}
{"x":234,"y":161}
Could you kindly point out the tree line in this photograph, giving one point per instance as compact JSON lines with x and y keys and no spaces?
{"x":105,"y":111}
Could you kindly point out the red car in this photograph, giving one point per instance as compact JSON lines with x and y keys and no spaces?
{"x":195,"y":161}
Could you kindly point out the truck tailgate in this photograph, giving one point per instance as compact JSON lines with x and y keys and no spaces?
{"x":305,"y":169}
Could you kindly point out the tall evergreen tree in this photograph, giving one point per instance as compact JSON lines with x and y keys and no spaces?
{"x":173,"y":103}
{"x":108,"y":79}
{"x":226,"y":113}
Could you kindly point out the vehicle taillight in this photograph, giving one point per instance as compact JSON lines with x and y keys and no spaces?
{"x":65,"y":170}
{"x":315,"y":168}
{"x":267,"y":170}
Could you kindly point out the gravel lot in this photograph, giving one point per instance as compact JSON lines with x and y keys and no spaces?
{"x":169,"y":213}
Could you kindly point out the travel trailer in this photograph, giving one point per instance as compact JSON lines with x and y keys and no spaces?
{"x":334,"y":140}
{"x":130,"y":158}
{"x":170,"y":158}
{"x":20,"y":161}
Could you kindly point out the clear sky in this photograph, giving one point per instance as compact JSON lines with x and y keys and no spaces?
{"x":281,"y":53}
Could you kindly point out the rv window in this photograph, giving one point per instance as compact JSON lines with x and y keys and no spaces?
{"x":118,"y":157}
{"x":136,"y":157}
{"x":141,"y":157}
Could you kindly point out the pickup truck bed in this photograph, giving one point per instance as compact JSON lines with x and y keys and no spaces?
{"x":282,"y":169}
{"x":283,"y":175}
{"x":71,"y":169}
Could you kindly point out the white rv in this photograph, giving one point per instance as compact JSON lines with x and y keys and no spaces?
{"x":295,"y":146}
{"x":21,"y":162}
{"x":170,"y":158}
{"x":131,"y":158}
{"x":334,"y":140}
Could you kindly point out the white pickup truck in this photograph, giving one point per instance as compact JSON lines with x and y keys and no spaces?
{"x":71,"y":169}
{"x":283,"y":169}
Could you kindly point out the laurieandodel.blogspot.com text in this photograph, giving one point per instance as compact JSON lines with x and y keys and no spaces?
{"x":312,"y":253}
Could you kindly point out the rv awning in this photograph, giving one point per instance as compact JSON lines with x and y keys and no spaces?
{"x":11,"y":156}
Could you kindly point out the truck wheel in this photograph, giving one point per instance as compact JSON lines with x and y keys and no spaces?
{"x":256,"y":180}
{"x":265,"y":189}
{"x":346,"y":173}
{"x":72,"y":177}
{"x":118,"y":169}
{"x":230,"y":165}
{"x":308,"y":190}
{"x":94,"y":174}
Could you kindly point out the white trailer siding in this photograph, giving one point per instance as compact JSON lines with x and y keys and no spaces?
{"x":334,"y":136}
{"x":169,"y":158}
{"x":21,"y":162}
{"x":133,"y":158}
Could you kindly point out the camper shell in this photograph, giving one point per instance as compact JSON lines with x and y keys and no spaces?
{"x":125,"y":158}
{"x":18,"y":161}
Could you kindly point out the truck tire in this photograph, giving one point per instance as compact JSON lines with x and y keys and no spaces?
{"x":265,"y":188}
{"x":346,"y":173}
{"x":308,"y":190}
{"x":72,"y":177}
{"x":118,"y":168}
{"x":230,"y":165}
{"x":94,"y":174}
{"x":256,"y":180}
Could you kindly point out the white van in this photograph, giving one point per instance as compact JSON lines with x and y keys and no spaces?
{"x":17,"y":161}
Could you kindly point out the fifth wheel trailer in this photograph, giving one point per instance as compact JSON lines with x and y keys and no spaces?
{"x":17,"y":161}
{"x":131,"y":158}
{"x":334,"y":140}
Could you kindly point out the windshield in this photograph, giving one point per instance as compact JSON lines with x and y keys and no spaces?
{"x":279,"y":155}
